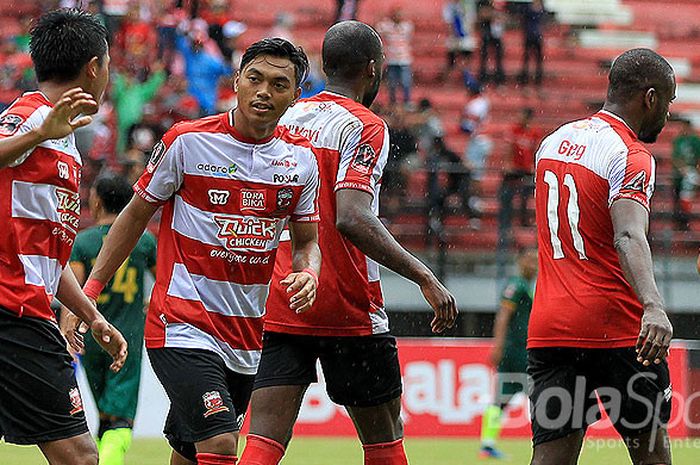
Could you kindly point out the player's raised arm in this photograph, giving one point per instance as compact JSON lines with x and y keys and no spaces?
{"x":630,"y":223}
{"x":60,"y":122}
{"x":357,"y":222}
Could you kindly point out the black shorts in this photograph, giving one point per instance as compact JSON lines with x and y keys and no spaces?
{"x":360,"y":371}
{"x":39,"y":396}
{"x":562,"y":399}
{"x":206,"y":398}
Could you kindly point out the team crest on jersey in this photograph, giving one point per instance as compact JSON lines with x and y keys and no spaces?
{"x":156,"y":156}
{"x":218,"y":197}
{"x":9,"y":124}
{"x":250,"y":233}
{"x":213,"y":403}
{"x":284,"y":199}
{"x":253,"y":199}
{"x":68,"y":208}
{"x":637,"y":183}
{"x":76,"y":401}
{"x":363,"y":161}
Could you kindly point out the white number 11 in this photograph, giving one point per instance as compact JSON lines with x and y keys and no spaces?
{"x":573,"y":214}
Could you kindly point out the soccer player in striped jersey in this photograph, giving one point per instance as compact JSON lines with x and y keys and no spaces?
{"x":228,"y":184}
{"x":348,"y":329}
{"x":39,"y":178}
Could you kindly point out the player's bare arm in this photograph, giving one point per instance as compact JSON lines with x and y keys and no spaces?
{"x":60,"y":122}
{"x":500,"y":329}
{"x":306,"y":263}
{"x":630,"y":223}
{"x":356,"y":221}
{"x":106,"y":335}
{"x":120,"y":241}
{"x":69,"y":322}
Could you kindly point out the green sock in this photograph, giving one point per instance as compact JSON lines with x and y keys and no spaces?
{"x":490,"y":425}
{"x":113,"y":446}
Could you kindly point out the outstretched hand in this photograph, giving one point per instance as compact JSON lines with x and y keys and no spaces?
{"x":62,"y":120}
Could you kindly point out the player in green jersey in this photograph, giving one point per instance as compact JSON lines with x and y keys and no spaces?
{"x":122,"y":302}
{"x":509,"y":354}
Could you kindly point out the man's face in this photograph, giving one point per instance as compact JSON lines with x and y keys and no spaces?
{"x":658,"y":114}
{"x":266,"y":88}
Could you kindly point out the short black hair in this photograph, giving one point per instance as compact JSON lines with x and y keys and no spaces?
{"x":63,"y":41}
{"x":637,"y":70}
{"x":347,"y":48}
{"x":114,"y":191}
{"x":282,"y":48}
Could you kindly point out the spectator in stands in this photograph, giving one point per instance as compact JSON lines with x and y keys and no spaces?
{"x":459,"y":15}
{"x":518,"y":177}
{"x":315,"y":81}
{"x":130,"y":96}
{"x":114,"y":12}
{"x":166,"y":27}
{"x":402,"y":152}
{"x":479,"y":147}
{"x":686,"y":160}
{"x":490,"y":22}
{"x":16,"y":71}
{"x":136,"y":41}
{"x":441,"y":159}
{"x":397,"y":35}
{"x":177,"y":102}
{"x":216,"y":16}
{"x":346,"y":10}
{"x":232,"y":31}
{"x":144,"y":134}
{"x":533,"y":16}
{"x":202,"y":69}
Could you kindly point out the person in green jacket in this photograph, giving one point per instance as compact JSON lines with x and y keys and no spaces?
{"x":116,"y":394}
{"x":130,"y":96}
{"x":509,"y":354}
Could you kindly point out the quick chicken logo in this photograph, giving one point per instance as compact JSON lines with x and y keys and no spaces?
{"x":247,"y":233}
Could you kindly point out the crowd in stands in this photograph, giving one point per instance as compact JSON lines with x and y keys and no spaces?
{"x":173,"y":60}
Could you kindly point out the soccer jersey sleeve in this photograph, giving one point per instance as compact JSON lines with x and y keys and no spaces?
{"x":362,"y":158}
{"x":15,"y":122}
{"x":164,"y":171}
{"x":307,"y":207}
{"x":632,"y":176}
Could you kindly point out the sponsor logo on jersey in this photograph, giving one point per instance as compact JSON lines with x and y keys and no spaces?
{"x":156,"y":156}
{"x":218,"y":197}
{"x":285,"y":163}
{"x":363,"y":161}
{"x":285,"y":178}
{"x":68,"y":208}
{"x":252,"y":199}
{"x":63,"y":170}
{"x":284,"y":198}
{"x":213,"y":403}
{"x":9,"y":124}
{"x":218,"y":171}
{"x":251,"y":233}
{"x":75,"y":400}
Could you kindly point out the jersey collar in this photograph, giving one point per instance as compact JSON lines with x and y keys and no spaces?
{"x":615,"y":120}
{"x":228,"y":121}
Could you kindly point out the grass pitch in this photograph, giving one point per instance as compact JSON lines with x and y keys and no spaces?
{"x":323,"y":451}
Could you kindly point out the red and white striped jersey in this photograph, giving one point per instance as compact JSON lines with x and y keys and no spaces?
{"x":226,"y":201}
{"x":582,"y":297}
{"x":39,"y":211}
{"x":351,"y":145}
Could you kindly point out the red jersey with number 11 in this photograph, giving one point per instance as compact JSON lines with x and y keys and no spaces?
{"x":582,"y":297}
